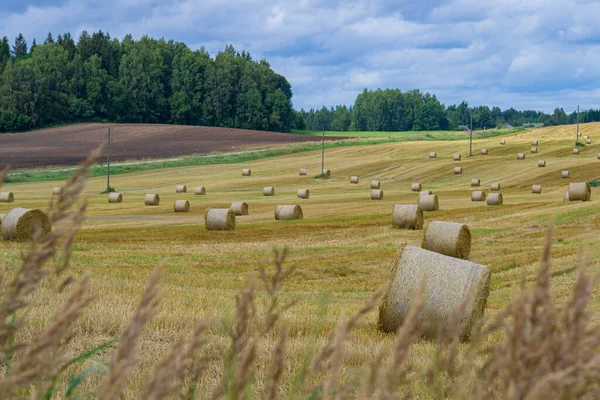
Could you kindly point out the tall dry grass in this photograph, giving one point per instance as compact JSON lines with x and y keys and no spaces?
{"x":533,"y":348}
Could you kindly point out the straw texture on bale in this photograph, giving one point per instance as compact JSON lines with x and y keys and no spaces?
{"x":457,"y":170}
{"x":416,"y":187}
{"x":200,"y":191}
{"x":115,"y":197}
{"x":19,"y":224}
{"x":7,"y":197}
{"x":534,"y":142}
{"x":588,"y":141}
{"x":575,"y":151}
{"x":534,"y":149}
{"x":483,"y":151}
{"x":375,"y":184}
{"x":269,"y":191}
{"x":475,"y":182}
{"x":433,"y":154}
{"x":152,"y":199}
{"x":495,"y":199}
{"x":326,"y":173}
{"x":57,"y":191}
{"x":376,"y":194}
{"x":449,"y":238}
{"x":180,"y":189}
{"x":564,"y":174}
{"x":181,"y":206}
{"x":285,"y":213}
{"x":302,"y":171}
{"x":354,"y":179}
{"x":246,"y":172}
{"x":425,"y":192}
{"x":451,"y":283}
{"x":1,"y":219}
{"x":407,"y":216}
{"x":429,"y":203}
{"x":495,"y":186}
{"x":520,"y":156}
{"x":541,"y":163}
{"x":457,"y":157}
{"x":303,"y":193}
{"x":566,"y":197}
{"x":219,"y":219}
{"x":502,"y":141}
{"x":477,"y":195}
{"x":580,"y":191}
{"x":239,"y":208}
{"x":536,"y":189}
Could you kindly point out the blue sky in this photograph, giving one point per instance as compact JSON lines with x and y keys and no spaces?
{"x":537,"y":54}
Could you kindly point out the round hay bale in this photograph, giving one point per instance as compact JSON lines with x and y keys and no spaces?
{"x":429,"y":202}
{"x":449,"y":238}
{"x":425,"y":193}
{"x":580,"y":191}
{"x":269,"y":191}
{"x":302,"y":171}
{"x":585,"y":137}
{"x":477,"y":195}
{"x":495,"y":199}
{"x":354,"y":179}
{"x":502,"y":141}
{"x":475,"y":182}
{"x":239,"y":208}
{"x":416,"y":187}
{"x":536,"y":189}
{"x":484,"y":151}
{"x":564,"y":174}
{"x":152,"y":199}
{"x":566,"y":196}
{"x":541,"y":163}
{"x":181,"y":206}
{"x":180,"y":189}
{"x":451,"y":283}
{"x":286,"y":213}
{"x":376,"y":194}
{"x":521,"y":156}
{"x":457,"y":170}
{"x":57,"y":191}
{"x":588,"y":141}
{"x":326,"y":173}
{"x":219,"y":219}
{"x":534,"y":142}
{"x":495,"y":186}
{"x":457,"y":157}
{"x":599,"y":156}
{"x":7,"y":197}
{"x":407,"y":216}
{"x":115,"y":197}
{"x":19,"y":224}
{"x":375,"y":184}
{"x":575,"y":151}
{"x":433,"y":154}
{"x":246,"y":172}
{"x":1,"y":219}
{"x":303,"y":193}
{"x":200,"y":191}
{"x":534,"y":149}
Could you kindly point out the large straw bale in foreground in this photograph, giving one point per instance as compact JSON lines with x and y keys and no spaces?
{"x":303,"y":193}
{"x":115,"y":197}
{"x":200,"y":191}
{"x":180,"y":189}
{"x":449,"y":283}
{"x":375,"y":184}
{"x":580,"y":191}
{"x":7,"y":197}
{"x":219,"y":219}
{"x":302,"y":171}
{"x":152,"y":199}
{"x":537,"y":189}
{"x":239,"y":208}
{"x":246,"y":172}
{"x":477,"y":195}
{"x":495,"y":199}
{"x":377,"y":194}
{"x":269,"y":191}
{"x":495,"y":186}
{"x":429,"y":203}
{"x":449,"y":238}
{"x":416,"y":187}
{"x":288,"y":212}
{"x":457,"y":170}
{"x":354,"y":179}
{"x":57,"y":190}
{"x":181,"y":206}
{"x":407,"y":216}
{"x":19,"y":224}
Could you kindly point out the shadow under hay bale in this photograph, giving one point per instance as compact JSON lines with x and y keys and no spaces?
{"x":407,"y":216}
{"x":580,"y":191}
{"x":458,"y":170}
{"x":302,"y":171}
{"x":537,"y":189}
{"x":57,"y":191}
{"x":429,"y":203}
{"x":219,"y":219}
{"x":450,"y":283}
{"x":375,"y":184}
{"x":246,"y":172}
{"x":181,"y":206}
{"x":269,"y":191}
{"x":152,"y":199}
{"x":7,"y":197}
{"x":478,"y":195}
{"x":288,"y":212}
{"x":199,"y":191}
{"x":239,"y":208}
{"x":20,"y":224}
{"x":416,"y":187}
{"x":457,"y":157}
{"x":303,"y":193}
{"x":115,"y":197}
{"x":495,"y":199}
{"x":376,"y":194}
{"x":449,"y":238}
{"x":354,"y":179}
{"x":180,"y":189}
{"x":495,"y":186}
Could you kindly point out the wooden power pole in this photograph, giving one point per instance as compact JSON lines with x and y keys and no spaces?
{"x":471,"y":136}
{"x":323,"y":152}
{"x":577,"y":138}
{"x":108,"y":163}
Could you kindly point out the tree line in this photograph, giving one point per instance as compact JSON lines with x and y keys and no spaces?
{"x":99,"y":78}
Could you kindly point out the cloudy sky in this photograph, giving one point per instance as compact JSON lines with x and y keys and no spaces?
{"x":537,"y":54}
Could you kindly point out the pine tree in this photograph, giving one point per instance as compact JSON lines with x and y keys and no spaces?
{"x":33,"y":46}
{"x":20,"y":47}
{"x":49,"y":38}
{"x":4,"y":53}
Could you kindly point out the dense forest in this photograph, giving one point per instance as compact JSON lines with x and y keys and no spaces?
{"x":99,"y":78}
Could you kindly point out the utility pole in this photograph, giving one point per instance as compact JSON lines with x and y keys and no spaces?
{"x":323,"y":153}
{"x":108,"y":163}
{"x":577,"y":138}
{"x":471,"y":136}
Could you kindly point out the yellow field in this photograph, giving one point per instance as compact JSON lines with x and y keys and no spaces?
{"x":344,"y":249}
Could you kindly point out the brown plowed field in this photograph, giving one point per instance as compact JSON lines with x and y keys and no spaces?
{"x":70,"y":145}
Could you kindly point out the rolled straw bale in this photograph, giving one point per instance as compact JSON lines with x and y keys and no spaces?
{"x":152,"y":199}
{"x":541,"y":163}
{"x":269,"y":191}
{"x":429,"y":203}
{"x":564,"y":174}
{"x":495,"y":199}
{"x":457,"y":170}
{"x":598,"y":156}
{"x":375,"y":184}
{"x":451,"y":284}
{"x":219,"y":219}
{"x":449,"y":238}
{"x":303,"y":193}
{"x":585,"y":137}
{"x":432,"y":154}
{"x":326,"y":173}
{"x":181,"y":206}
{"x":285,"y":213}
{"x":416,"y":187}
{"x":495,"y":186}
{"x":534,"y":142}
{"x":239,"y":208}
{"x":376,"y":194}
{"x":115,"y":197}
{"x":588,"y":141}
{"x":457,"y":157}
{"x":302,"y":171}
{"x":246,"y":172}
{"x":483,"y":151}
{"x":580,"y":191}
{"x":57,"y":190}
{"x":425,"y":192}
{"x":534,"y":149}
{"x":7,"y":197}
{"x":575,"y":151}
{"x":566,"y":197}
{"x":477,"y":195}
{"x":520,"y":156}
{"x":1,"y":219}
{"x":180,"y":189}
{"x":19,"y":224}
{"x":475,"y":182}
{"x":536,"y":189}
{"x":502,"y":141}
{"x":200,"y":191}
{"x":407,"y":216}
{"x":354,"y":179}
